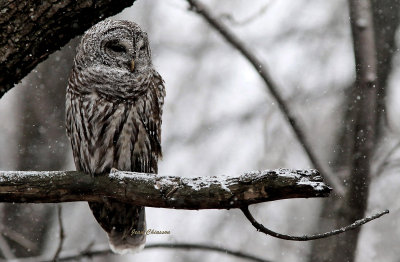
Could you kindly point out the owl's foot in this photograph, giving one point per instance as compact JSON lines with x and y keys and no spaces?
{"x":114,"y":170}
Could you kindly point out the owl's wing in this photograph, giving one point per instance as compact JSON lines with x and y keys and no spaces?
{"x":72,"y":132}
{"x":151,"y":117}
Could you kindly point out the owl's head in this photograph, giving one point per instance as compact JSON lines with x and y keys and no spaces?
{"x":116,"y":44}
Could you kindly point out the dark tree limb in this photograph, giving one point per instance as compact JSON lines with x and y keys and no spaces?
{"x":61,"y":232}
{"x":272,"y":87}
{"x":217,"y":192}
{"x":267,"y":231}
{"x":31,"y":30}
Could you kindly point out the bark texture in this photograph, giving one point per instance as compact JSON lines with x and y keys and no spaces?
{"x":31,"y":30}
{"x":216,"y":192}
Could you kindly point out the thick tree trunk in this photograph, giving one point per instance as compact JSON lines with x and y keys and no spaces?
{"x":31,"y":30}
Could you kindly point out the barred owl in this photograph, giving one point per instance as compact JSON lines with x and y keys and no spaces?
{"x":113,"y":119}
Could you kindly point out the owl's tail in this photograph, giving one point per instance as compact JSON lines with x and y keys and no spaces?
{"x":125,"y":225}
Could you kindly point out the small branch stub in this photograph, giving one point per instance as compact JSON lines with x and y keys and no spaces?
{"x":208,"y":192}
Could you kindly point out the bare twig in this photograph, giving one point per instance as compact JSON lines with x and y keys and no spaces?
{"x":84,"y":254}
{"x":18,"y":238}
{"x":5,"y":248}
{"x":89,"y":246}
{"x":272,"y":87}
{"x":207,"y":248}
{"x":248,"y":19}
{"x":386,"y":159}
{"x":61,"y":232}
{"x":206,"y":192}
{"x":186,"y":246}
{"x":267,"y":231}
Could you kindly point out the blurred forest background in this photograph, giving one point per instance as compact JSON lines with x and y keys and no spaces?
{"x":219,"y":119}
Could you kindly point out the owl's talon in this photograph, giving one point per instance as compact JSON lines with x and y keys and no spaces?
{"x":114,"y":170}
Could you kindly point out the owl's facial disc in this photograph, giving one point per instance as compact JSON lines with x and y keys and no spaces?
{"x":119,"y":52}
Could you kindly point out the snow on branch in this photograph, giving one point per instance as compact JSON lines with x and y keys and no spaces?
{"x":152,"y":190}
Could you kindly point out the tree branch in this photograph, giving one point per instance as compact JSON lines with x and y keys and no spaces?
{"x":101,"y":251}
{"x":248,"y":19}
{"x":267,"y":231}
{"x":5,"y":249}
{"x":61,"y":232}
{"x":207,"y":248}
{"x":208,"y":192}
{"x":272,"y":87}
{"x":18,"y":238}
{"x":31,"y":30}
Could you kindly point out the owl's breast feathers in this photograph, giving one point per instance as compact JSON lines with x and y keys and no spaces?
{"x":112,"y":124}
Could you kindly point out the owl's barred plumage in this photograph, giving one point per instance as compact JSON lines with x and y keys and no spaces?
{"x":113,"y":118}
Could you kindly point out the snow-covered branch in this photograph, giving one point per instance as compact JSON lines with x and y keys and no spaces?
{"x":206,"y":192}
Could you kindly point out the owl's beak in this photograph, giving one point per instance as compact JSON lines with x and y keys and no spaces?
{"x":132,"y":65}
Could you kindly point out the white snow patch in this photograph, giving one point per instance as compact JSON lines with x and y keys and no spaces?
{"x":282,"y":172}
{"x":15,"y":175}
{"x":205,"y":182}
{"x":319,"y":186}
{"x":224,"y":186}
